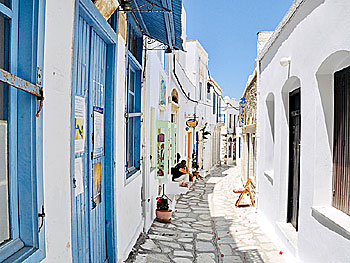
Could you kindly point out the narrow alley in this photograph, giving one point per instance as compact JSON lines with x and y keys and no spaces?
{"x":150,"y":131}
{"x":206,"y":227}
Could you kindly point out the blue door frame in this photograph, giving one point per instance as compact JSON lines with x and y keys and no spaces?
{"x":87,"y":12}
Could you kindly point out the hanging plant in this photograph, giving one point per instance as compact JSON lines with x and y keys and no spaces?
{"x":205,"y":133}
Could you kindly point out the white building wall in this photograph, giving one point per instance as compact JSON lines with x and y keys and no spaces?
{"x":57,"y":83}
{"x":318,"y":47}
{"x":229,"y":107}
{"x":128,"y":192}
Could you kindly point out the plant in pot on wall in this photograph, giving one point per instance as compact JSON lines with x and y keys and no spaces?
{"x":163,"y":213}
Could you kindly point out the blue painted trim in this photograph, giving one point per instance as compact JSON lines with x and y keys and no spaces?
{"x":39,"y":134}
{"x":88,"y":11}
{"x":13,"y":191}
{"x":6,"y":11}
{"x":94,"y":18}
{"x":27,"y":255}
{"x":110,"y":141}
{"x":167,"y":19}
{"x":132,"y":60}
{"x":10,"y":248}
{"x":25,"y":169}
{"x":139,"y":19}
{"x":72,"y":152}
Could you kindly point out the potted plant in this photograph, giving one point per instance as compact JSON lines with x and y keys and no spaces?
{"x":163,"y":213}
{"x":195,"y":165}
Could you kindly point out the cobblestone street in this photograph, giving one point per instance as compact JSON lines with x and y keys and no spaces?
{"x":206,"y":227}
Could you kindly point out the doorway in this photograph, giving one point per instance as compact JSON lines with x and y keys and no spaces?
{"x":341,"y":149}
{"x":294,"y":157}
{"x":92,"y":128}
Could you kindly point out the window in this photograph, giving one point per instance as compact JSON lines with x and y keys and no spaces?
{"x":239,"y":147}
{"x":4,"y":176}
{"x":230,"y":121}
{"x":20,"y":135}
{"x":166,"y":62}
{"x":214,"y":103}
{"x":200,"y":90}
{"x":270,"y":104}
{"x":234,"y":124}
{"x":208,"y":92}
{"x":174,"y":96}
{"x":133,"y":101}
{"x":135,"y":41}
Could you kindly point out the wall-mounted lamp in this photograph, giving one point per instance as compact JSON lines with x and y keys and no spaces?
{"x":285,"y":61}
{"x":168,"y":50}
{"x":125,"y":5}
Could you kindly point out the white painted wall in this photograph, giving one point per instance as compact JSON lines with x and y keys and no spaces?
{"x":128,"y":192}
{"x":229,"y":106}
{"x":56,"y":112}
{"x":317,"y":40}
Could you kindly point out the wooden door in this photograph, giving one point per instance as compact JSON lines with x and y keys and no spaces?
{"x":89,"y":206}
{"x":341,"y":148}
{"x":294,"y":158}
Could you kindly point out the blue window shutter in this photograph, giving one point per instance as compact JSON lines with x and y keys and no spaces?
{"x":133,"y":124}
{"x":137,"y":141}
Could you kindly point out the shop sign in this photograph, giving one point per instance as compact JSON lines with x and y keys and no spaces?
{"x":242,"y":112}
{"x":192,"y":123}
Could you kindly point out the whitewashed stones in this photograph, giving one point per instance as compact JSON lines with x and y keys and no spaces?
{"x":204,"y":246}
{"x":151,"y":258}
{"x":181,"y":253}
{"x":170,"y":244}
{"x":205,"y":236}
{"x":149,"y":245}
{"x":182,"y":260}
{"x":206,"y":258}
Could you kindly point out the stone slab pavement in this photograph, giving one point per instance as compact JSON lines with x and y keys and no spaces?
{"x":206,"y":228}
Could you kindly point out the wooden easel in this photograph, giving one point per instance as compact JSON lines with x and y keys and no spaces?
{"x":245,"y":191}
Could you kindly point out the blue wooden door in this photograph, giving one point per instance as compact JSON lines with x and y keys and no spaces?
{"x":89,"y":208}
{"x":97,"y":182}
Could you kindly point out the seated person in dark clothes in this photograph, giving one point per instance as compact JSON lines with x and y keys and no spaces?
{"x":181,"y":173}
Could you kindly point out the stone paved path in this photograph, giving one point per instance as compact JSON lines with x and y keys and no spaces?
{"x":206,"y":228}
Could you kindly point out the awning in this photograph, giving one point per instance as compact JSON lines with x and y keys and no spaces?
{"x":160,"y":20}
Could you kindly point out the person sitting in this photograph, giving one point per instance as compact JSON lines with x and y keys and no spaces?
{"x":181,"y":173}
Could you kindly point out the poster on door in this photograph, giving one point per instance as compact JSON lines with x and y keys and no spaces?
{"x":79,"y":137}
{"x":78,"y":176}
{"x":96,"y":184}
{"x":98,"y":131}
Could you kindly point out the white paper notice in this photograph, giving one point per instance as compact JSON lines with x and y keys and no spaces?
{"x":80,"y":124}
{"x":78,"y":176}
{"x":98,"y":130}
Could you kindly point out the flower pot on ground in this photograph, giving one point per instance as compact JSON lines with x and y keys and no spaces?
{"x":163,"y":213}
{"x":195,"y":165}
{"x":164,"y":216}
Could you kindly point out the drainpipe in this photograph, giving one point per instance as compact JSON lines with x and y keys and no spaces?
{"x":144,"y":167}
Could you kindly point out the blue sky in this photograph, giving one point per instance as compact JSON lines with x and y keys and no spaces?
{"x":227,"y":29}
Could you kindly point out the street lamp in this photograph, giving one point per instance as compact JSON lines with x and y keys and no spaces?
{"x":126,"y":5}
{"x":285,"y":61}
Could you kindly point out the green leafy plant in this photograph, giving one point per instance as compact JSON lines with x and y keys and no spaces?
{"x":162,"y":203}
{"x":205,"y":133}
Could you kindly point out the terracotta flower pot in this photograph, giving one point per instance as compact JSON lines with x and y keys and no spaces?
{"x":164,"y":215}
{"x":196,"y":174}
